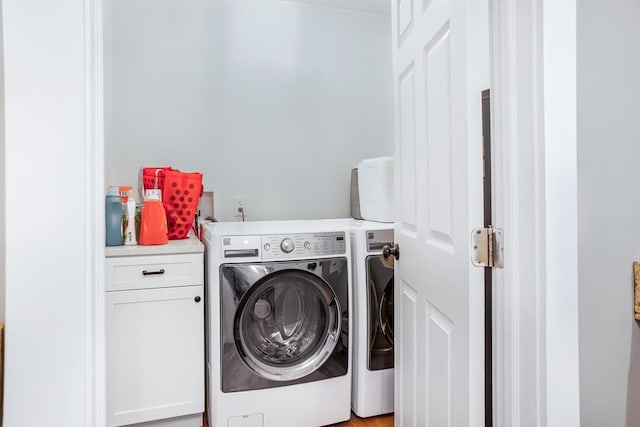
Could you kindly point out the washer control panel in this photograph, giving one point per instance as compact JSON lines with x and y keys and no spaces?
{"x":305,"y":244}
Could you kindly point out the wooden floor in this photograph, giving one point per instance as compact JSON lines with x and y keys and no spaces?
{"x":381,"y":421}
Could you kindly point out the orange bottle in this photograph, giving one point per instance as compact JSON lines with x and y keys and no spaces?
{"x":153,"y":222}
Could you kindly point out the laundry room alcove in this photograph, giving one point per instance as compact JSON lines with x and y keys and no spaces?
{"x":272,"y":101}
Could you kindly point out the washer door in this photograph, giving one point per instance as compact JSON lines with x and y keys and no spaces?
{"x":287,"y":325}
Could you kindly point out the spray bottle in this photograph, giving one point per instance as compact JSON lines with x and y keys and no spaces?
{"x":130,"y":219}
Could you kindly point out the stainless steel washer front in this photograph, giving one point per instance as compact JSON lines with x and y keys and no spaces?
{"x":283,"y":322}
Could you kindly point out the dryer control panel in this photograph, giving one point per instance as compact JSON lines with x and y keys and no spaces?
{"x":303,"y":245}
{"x":376,"y":239}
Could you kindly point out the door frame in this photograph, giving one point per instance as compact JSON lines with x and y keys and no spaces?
{"x":95,"y":406}
{"x":535,"y":201}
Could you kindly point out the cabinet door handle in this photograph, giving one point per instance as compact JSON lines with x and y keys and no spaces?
{"x":151,"y":273}
{"x":197,"y":299}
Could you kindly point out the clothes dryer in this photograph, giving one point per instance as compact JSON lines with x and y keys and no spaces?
{"x":278,"y":319}
{"x":372,"y":378}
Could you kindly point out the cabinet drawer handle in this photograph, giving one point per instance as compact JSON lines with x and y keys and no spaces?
{"x":151,"y":273}
{"x":197,"y":299}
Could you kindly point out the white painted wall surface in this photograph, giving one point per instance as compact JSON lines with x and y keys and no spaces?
{"x":2,"y":175}
{"x":561,"y":215}
{"x":48,"y":368}
{"x":272,"y":100}
{"x":609,"y":210}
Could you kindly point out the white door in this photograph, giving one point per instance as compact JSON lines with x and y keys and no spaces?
{"x":440,"y":57}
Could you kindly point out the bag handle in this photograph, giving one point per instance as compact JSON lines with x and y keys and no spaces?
{"x":155,"y":186}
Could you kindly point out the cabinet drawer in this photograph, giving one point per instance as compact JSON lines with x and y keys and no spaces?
{"x":157,"y":271}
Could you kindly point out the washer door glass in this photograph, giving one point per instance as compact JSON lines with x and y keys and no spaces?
{"x":386,"y":313}
{"x":287,"y":325}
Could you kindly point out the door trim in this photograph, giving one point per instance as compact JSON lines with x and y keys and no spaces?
{"x":518,"y":133}
{"x":532,"y":70}
{"x":95,"y":377}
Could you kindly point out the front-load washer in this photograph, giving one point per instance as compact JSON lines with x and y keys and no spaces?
{"x":278,"y":317}
{"x":372,"y":386}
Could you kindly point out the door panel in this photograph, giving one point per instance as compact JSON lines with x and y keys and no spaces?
{"x":426,"y":4}
{"x":438,"y":79}
{"x":407,"y":148}
{"x":408,"y":362}
{"x":438,"y":347}
{"x":437,"y":75}
{"x":405,"y":17}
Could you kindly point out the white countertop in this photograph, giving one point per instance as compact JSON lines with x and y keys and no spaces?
{"x":185,"y":246}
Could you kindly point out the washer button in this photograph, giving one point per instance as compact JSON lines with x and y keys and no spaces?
{"x":267,"y":246}
{"x":307,"y":245}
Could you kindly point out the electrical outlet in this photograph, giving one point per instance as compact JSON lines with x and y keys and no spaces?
{"x":240,"y":206}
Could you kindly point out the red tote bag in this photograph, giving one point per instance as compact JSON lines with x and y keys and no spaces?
{"x":181,"y":192}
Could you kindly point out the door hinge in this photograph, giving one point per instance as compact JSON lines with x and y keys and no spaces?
{"x":487,"y":247}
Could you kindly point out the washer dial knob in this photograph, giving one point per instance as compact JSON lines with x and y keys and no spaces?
{"x":287,"y":245}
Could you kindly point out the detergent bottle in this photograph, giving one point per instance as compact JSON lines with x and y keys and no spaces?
{"x":153,"y":222}
{"x":113,"y":217}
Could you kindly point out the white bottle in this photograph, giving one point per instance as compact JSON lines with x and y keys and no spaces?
{"x":130,"y":220}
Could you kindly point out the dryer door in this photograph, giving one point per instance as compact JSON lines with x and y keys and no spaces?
{"x":287,"y":324}
{"x":380,"y":312}
{"x":386,"y":312}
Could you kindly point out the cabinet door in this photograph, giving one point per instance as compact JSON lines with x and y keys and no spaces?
{"x":155,"y":354}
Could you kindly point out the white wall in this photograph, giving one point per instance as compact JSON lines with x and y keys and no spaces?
{"x":272,"y":100}
{"x":609,"y":210}
{"x":560,"y":264}
{"x":2,"y":174}
{"x":49,"y":240}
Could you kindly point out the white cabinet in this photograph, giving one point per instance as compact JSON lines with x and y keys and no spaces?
{"x":155,"y":339}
